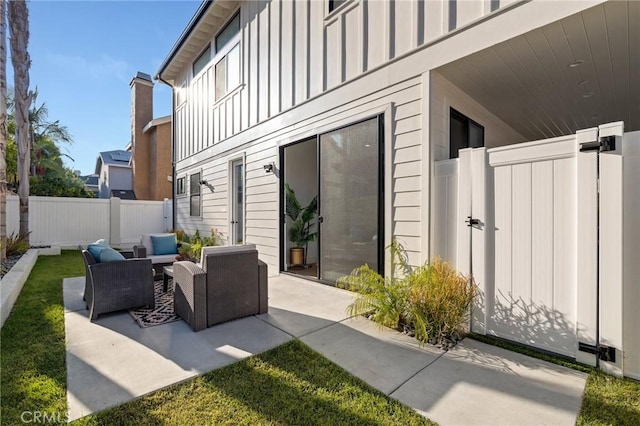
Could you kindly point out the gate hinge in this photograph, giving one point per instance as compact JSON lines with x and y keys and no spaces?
{"x":604,"y":144}
{"x":606,"y":353}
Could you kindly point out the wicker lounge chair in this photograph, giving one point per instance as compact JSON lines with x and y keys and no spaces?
{"x":114,"y":286}
{"x":230,"y":283}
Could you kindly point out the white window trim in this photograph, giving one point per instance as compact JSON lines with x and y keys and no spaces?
{"x":219,"y":55}
{"x":329,"y":15}
{"x":235,"y":41}
{"x":185,"y":193}
{"x":201,"y":195}
{"x":230,"y":160}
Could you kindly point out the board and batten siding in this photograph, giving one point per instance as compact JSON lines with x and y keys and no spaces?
{"x":292,"y":51}
{"x":401,"y":105}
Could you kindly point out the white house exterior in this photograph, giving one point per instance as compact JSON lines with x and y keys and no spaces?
{"x":368,"y":105}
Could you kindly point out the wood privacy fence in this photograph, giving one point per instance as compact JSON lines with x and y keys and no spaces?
{"x":553,"y":243}
{"x":67,"y":222}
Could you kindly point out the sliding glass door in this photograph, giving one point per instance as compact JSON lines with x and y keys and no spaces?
{"x":350,"y":214}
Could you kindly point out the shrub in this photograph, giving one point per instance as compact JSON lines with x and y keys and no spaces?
{"x":431,"y":300}
{"x":192,"y":245}
{"x":382,"y":300}
{"x":439,"y":299}
{"x":17,"y":244}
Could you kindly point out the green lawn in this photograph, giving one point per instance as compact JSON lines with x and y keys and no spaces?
{"x":291,"y":384}
{"x":34,"y":375}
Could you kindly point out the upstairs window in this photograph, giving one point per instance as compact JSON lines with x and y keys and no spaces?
{"x":463,"y":133}
{"x":195,"y":198}
{"x":227,"y":44}
{"x":228,"y":32}
{"x":202,"y":60}
{"x":334,"y":4}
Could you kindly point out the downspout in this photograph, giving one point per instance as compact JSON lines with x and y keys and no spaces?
{"x":173,"y":150}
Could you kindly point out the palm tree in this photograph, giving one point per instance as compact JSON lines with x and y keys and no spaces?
{"x":45,"y":154}
{"x":3,"y":131}
{"x":19,"y":38}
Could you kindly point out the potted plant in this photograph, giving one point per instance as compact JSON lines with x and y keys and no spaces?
{"x":300,"y":229}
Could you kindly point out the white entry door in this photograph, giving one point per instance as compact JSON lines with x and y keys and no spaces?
{"x":237,"y":202}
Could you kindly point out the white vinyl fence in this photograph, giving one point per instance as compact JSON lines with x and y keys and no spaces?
{"x":553,"y":245}
{"x":67,"y":222}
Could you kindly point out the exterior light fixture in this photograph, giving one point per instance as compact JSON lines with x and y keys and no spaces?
{"x":206,"y":183}
{"x":271,"y":168}
{"x":576,"y":63}
{"x":587,"y":95}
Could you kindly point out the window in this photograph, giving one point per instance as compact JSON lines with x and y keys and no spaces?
{"x":180,"y":186}
{"x":463,"y":133}
{"x":195,"y":197}
{"x":334,"y":4}
{"x":227,"y":45}
{"x":202,"y":60}
{"x":228,"y":32}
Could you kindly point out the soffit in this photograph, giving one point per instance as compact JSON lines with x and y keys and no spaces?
{"x":529,"y":83}
{"x":198,"y":37}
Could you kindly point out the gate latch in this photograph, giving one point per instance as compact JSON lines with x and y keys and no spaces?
{"x":470,"y":221}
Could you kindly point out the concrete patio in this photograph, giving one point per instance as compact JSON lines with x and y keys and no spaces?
{"x":113,"y":361}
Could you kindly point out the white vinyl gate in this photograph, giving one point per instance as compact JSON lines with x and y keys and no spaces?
{"x":532,"y":244}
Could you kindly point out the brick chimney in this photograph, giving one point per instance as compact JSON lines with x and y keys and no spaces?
{"x":141,"y":114}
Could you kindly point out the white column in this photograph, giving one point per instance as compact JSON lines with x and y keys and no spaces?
{"x":587,"y":245}
{"x":611,"y":243}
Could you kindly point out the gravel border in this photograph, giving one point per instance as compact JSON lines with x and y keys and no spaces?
{"x":8,"y":264}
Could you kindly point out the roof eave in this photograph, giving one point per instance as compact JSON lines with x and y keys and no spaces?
{"x":202,"y":10}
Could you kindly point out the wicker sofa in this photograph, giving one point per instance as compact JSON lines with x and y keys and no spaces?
{"x":144,"y":250}
{"x":114,"y":286}
{"x":229,"y":283}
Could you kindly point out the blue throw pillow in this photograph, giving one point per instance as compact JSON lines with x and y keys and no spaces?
{"x":95,"y":250}
{"x":164,"y":244}
{"x":110,"y":255}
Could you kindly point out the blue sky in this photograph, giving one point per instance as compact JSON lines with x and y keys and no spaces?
{"x":85,"y":53}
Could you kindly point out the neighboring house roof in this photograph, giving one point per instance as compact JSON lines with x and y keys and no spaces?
{"x":89,"y":180}
{"x":156,"y":122}
{"x":123,"y":194}
{"x":118,"y":157}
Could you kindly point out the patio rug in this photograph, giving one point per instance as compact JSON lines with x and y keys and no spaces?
{"x":163,"y":312}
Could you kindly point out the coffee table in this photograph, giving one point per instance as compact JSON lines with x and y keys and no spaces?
{"x":167,"y":271}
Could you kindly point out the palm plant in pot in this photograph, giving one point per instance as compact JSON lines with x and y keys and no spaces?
{"x":300,"y":229}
